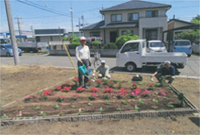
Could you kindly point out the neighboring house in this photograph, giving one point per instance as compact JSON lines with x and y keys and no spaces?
{"x":176,"y":23}
{"x":78,"y":34}
{"x":146,"y":19}
{"x":46,"y":35}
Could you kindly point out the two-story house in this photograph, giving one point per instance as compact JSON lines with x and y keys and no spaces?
{"x":146,"y":19}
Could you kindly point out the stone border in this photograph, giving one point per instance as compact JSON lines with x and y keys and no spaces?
{"x":95,"y":116}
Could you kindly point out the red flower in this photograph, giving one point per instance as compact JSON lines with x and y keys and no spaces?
{"x":93,"y":94}
{"x":29,"y":96}
{"x":151,"y":85}
{"x":47,"y":92}
{"x":107,"y":89}
{"x":134,"y":84}
{"x":58,"y":87}
{"x":98,"y":81}
{"x":61,"y":97}
{"x":79,"y":89}
{"x":94,"y":89}
{"x":122,"y":92}
{"x":137,"y":90}
{"x":67,"y":88}
{"x":111,"y":83}
{"x":75,"y":79}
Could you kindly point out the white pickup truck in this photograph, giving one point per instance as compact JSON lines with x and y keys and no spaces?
{"x":133,"y":54}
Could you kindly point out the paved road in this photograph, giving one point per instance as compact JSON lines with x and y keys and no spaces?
{"x":191,"y":69}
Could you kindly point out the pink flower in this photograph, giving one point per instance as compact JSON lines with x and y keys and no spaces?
{"x":76,"y":95}
{"x":162,"y":93}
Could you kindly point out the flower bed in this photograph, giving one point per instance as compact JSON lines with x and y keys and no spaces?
{"x":103,"y":96}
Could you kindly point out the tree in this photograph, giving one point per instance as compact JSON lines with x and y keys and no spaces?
{"x":191,"y":35}
{"x":124,"y":38}
{"x":196,"y":19}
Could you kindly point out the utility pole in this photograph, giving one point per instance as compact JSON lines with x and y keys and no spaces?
{"x":72,"y":21}
{"x":79,"y":25}
{"x":19,"y":28}
{"x":12,"y":33}
{"x":102,"y":14}
{"x":82,"y":17}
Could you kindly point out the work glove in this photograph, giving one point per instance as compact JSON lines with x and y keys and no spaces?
{"x":151,"y":78}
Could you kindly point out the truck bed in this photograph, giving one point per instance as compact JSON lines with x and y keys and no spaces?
{"x":161,"y":57}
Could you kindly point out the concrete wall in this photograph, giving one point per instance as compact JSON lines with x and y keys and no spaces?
{"x":103,"y":52}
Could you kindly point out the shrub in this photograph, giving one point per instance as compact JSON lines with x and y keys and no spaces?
{"x":124,"y":38}
{"x":73,"y":45}
{"x":110,"y":46}
{"x":96,"y":42}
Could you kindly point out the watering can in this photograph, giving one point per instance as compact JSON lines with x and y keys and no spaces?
{"x":83,"y":71}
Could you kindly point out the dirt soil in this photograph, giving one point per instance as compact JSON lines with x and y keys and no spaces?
{"x":18,"y":81}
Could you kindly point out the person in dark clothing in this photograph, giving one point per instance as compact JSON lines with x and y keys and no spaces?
{"x":167,"y":71}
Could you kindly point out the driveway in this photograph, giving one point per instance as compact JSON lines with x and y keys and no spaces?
{"x":191,"y":69}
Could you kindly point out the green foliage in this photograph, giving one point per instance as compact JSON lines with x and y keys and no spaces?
{"x":101,"y":109}
{"x":72,"y":106}
{"x":89,"y":104}
{"x":124,"y":38}
{"x":110,"y":46}
{"x":73,"y":45}
{"x":196,"y":19}
{"x":56,"y":106}
{"x":155,"y":101}
{"x":166,"y":98}
{"x":137,"y":108}
{"x":192,"y":34}
{"x":42,"y":114}
{"x":96,"y":42}
{"x":128,"y":33}
{"x":107,"y":103}
{"x":124,"y":102}
{"x":64,"y":39}
{"x":119,"y":109}
{"x":141,"y":101}
{"x":171,"y":106}
{"x":37,"y":108}
{"x":4,"y":117}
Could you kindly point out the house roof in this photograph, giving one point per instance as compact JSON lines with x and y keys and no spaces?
{"x":94,"y":26}
{"x":177,"y":20}
{"x":135,"y":4}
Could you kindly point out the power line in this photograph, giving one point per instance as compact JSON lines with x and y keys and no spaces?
{"x":43,"y":6}
{"x":39,"y":7}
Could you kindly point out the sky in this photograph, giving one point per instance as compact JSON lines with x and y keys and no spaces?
{"x":40,"y":19}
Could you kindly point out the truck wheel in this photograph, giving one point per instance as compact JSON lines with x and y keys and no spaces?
{"x":130,"y":67}
{"x":189,"y":55}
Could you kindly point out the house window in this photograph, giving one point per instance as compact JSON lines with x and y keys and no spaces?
{"x":116,"y":18}
{"x":152,"y":13}
{"x":94,"y":34}
{"x":127,"y":32}
{"x":133,"y":16}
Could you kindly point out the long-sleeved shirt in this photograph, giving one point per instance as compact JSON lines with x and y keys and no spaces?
{"x":82,"y":52}
{"x":103,"y":70}
{"x":167,"y":71}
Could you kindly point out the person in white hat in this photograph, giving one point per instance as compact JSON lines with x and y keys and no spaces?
{"x":103,"y":70}
{"x":83,"y":57}
{"x":167,"y":71}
